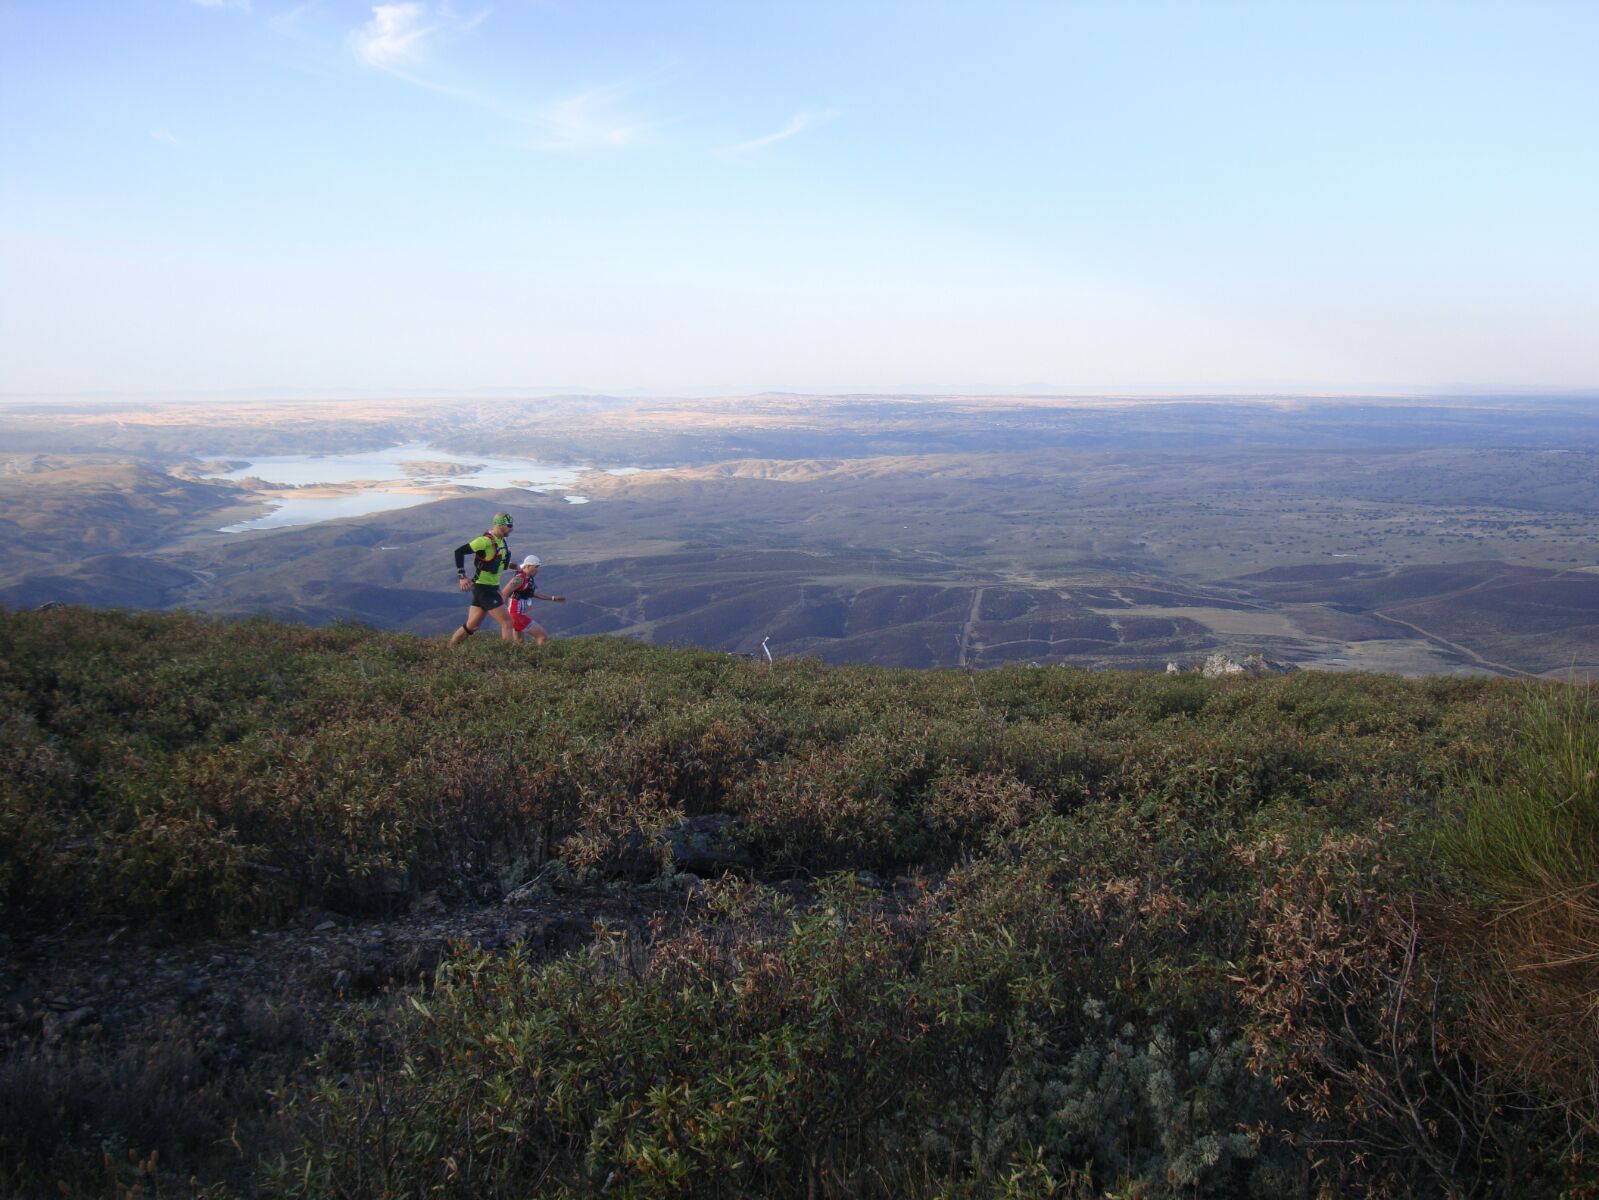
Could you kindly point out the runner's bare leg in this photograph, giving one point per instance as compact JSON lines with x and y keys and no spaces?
{"x":507,"y":628}
{"x":474,"y":618}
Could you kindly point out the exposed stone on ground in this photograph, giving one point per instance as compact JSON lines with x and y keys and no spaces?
{"x":706,"y":845}
{"x":1255,"y":663}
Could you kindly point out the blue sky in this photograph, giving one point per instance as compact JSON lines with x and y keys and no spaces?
{"x":263,"y":195}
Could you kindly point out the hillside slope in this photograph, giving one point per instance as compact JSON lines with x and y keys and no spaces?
{"x":1034,"y":931}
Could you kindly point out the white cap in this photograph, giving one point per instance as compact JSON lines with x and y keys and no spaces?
{"x":532,"y":560}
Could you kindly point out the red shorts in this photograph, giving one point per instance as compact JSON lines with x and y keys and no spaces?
{"x":520,"y":619}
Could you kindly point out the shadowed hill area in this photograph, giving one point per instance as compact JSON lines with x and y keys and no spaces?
{"x":618,"y":917}
{"x":1541,"y":620}
{"x":57,"y":509}
{"x":60,"y":516}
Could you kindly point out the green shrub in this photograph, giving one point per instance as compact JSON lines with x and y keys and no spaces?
{"x":348,"y":768}
{"x":833,"y":1050}
{"x":1107,"y":888}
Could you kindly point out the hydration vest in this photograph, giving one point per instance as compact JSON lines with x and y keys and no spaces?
{"x":492,"y":564}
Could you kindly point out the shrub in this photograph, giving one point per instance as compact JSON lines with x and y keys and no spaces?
{"x":89,"y":1119}
{"x":1113,"y":888}
{"x":1363,"y":1027}
{"x":224,"y":773}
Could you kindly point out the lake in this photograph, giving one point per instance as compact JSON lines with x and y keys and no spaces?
{"x":415,"y":466}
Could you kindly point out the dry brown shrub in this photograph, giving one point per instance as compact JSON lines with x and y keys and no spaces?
{"x":832,"y":808}
{"x":1353,"y":1019}
{"x":961,"y":804}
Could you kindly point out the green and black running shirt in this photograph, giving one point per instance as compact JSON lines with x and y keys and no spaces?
{"x":490,"y":556}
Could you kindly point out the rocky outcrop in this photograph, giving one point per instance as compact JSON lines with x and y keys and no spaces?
{"x":1255,"y":663}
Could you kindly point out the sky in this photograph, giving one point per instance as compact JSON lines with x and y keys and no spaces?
{"x":281,"y":196}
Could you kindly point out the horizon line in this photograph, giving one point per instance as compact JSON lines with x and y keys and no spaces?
{"x":1040,"y":391}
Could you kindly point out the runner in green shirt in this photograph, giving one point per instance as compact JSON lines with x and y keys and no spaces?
{"x":490,"y":555}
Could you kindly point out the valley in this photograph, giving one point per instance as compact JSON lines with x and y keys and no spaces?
{"x":919,"y":532}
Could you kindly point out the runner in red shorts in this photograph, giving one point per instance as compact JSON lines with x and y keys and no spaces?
{"x":519,"y":592}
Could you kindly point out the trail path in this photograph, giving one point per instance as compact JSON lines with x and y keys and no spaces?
{"x":1456,"y":647}
{"x":1471,"y":654}
{"x":971,"y":620}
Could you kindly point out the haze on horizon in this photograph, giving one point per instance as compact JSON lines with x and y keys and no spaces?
{"x":209,"y":196}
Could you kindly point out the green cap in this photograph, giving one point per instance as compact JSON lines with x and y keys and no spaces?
{"x":502,"y":519}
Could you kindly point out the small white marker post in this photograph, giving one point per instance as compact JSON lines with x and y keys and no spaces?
{"x":766,"y":651}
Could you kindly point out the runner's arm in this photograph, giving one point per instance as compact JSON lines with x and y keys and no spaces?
{"x":461,"y":552}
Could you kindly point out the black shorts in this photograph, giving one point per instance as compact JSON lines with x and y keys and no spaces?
{"x":486,"y":596}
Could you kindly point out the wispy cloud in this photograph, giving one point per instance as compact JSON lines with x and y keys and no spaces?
{"x":399,"y":36}
{"x":241,"y":5}
{"x":397,"y":40}
{"x":396,"y":36}
{"x":801,"y":122}
{"x":165,"y":137}
{"x":586,"y":120}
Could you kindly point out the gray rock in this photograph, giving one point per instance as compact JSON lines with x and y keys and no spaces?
{"x":1218,"y":665}
{"x":707,"y":845}
{"x":1254,"y":663}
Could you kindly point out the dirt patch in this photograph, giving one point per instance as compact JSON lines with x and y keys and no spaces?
{"x":112,"y":983}
{"x":1229,"y":622}
{"x":137,"y":1041}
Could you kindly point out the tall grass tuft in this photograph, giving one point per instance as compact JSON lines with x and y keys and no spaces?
{"x":1534,"y":826}
{"x":1529,"y":841}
